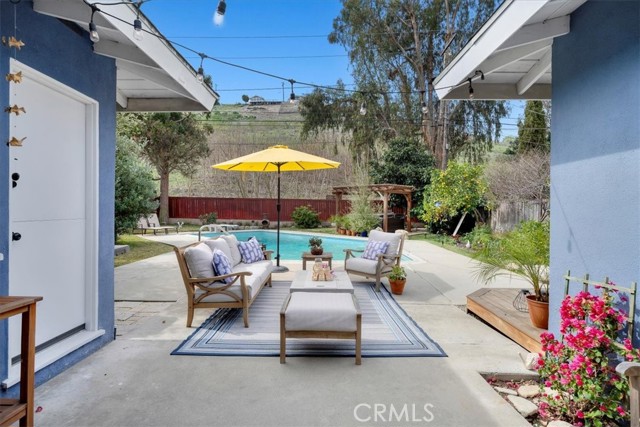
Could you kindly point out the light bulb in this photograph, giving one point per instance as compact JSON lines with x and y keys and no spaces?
{"x":292,"y":98}
{"x":137,"y":30}
{"x":425,"y":109}
{"x":363,"y":109}
{"x":218,"y":17}
{"x":470,"y":92}
{"x":200,"y":75}
{"x":93,"y":33}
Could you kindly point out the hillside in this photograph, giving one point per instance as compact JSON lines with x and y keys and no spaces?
{"x":243,"y":129}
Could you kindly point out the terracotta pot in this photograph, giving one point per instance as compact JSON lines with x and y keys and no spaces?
{"x":397,"y":286}
{"x":316,"y":250}
{"x":538,"y":312}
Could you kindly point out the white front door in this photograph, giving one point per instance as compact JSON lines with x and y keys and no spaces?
{"x":51,"y":209}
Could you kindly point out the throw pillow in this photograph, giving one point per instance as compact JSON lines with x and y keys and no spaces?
{"x":222,"y":265}
{"x":198,"y":260}
{"x":250,"y":251}
{"x":374,"y":248}
{"x":232,"y":240}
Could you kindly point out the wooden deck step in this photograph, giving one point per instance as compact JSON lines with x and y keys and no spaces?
{"x":495,"y":306}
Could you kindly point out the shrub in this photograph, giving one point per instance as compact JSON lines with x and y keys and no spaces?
{"x":586,"y":390}
{"x":305,"y":217}
{"x":479,"y":237}
{"x":208,"y":218}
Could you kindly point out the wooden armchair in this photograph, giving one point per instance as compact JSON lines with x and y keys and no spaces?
{"x":381,"y":266}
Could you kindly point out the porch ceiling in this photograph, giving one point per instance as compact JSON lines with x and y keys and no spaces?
{"x":512,"y":50}
{"x":151,"y":74}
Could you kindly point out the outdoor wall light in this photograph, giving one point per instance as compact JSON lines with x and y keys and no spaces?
{"x":218,"y":17}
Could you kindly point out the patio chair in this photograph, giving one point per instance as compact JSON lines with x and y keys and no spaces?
{"x":377,"y":265}
{"x":151,"y":222}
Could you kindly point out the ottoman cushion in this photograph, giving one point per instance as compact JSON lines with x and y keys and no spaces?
{"x":321,"y":311}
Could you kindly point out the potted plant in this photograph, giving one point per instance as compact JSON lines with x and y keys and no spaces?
{"x":315,"y":243}
{"x":397,"y":279}
{"x":523,"y":251}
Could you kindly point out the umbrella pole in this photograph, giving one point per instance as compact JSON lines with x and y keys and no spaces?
{"x":278,"y":268}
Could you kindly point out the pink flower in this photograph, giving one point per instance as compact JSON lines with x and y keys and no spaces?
{"x":621,"y":411}
{"x":580,"y":414}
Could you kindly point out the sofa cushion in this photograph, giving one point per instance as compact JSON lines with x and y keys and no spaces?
{"x":250,"y":251}
{"x":392,"y":238}
{"x":232,"y":240}
{"x":260,"y":272}
{"x":222,"y":265}
{"x":374,"y":248}
{"x":219,"y":243}
{"x":198,"y":260}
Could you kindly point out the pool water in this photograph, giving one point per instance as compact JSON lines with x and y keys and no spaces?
{"x":293,"y":244}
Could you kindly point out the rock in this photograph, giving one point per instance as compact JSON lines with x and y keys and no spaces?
{"x":559,"y":424}
{"x":529,"y":390}
{"x":523,"y":406}
{"x":530,"y":360}
{"x":504,"y":390}
{"x":549,"y":392}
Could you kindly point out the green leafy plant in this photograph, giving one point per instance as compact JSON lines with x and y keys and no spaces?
{"x":338,"y":220}
{"x":397,"y":273}
{"x":209,"y":218}
{"x":315,"y":242}
{"x":524,"y":251}
{"x":457,"y":190}
{"x":479,"y":237}
{"x":305,"y":217}
{"x":134,"y":187}
{"x":585,"y":388}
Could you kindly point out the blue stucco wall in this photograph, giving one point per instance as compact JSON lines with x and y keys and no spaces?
{"x":595,"y":148}
{"x":65,"y":54}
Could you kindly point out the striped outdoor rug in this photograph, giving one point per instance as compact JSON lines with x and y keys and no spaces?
{"x":387,"y":331}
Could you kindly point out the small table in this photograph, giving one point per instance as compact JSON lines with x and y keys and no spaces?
{"x":308,"y":256}
{"x":340,"y":284}
{"x":12,"y":410}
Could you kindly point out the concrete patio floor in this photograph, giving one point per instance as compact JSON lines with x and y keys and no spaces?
{"x":135,"y":382}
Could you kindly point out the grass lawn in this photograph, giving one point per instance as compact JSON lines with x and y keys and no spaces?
{"x":445,"y":242}
{"x":139,"y":249}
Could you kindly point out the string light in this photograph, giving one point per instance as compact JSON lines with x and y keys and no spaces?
{"x":292,"y":97}
{"x":93,"y":31}
{"x":424,"y":107}
{"x":218,"y":17}
{"x":470,"y":79}
{"x":363,"y":109}
{"x":200,"y":73}
{"x":137,"y":29}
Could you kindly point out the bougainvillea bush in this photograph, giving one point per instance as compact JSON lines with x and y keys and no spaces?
{"x":580,"y":369}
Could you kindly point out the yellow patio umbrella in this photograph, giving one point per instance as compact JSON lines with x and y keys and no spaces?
{"x":278,"y":158}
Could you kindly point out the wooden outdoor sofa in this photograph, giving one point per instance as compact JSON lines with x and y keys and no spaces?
{"x":206,"y":290}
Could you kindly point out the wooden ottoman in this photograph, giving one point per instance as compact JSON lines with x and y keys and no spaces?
{"x":320,"y":315}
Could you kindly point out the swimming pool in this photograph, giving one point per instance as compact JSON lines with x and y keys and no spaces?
{"x":293,"y":244}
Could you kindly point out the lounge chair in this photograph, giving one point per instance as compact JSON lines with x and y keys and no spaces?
{"x":381,"y":265}
{"x":151,"y":222}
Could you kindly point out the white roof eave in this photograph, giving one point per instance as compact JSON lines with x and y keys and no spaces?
{"x":505,"y":22}
{"x":155,"y":54}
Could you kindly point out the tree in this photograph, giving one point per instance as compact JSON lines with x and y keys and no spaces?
{"x":245,"y":98}
{"x":533,"y":133}
{"x":396,"y":48}
{"x":135,"y":189}
{"x":171,"y":142}
{"x":460,"y":189}
{"x":522,"y":178}
{"x":405,"y":162}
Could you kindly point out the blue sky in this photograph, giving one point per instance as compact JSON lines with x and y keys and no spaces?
{"x":287,"y":38}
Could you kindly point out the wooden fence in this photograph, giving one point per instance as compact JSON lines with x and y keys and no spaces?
{"x":509,"y":214}
{"x":249,"y":209}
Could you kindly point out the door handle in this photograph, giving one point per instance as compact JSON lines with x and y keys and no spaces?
{"x":16,"y":236}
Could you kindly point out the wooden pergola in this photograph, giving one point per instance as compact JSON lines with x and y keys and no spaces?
{"x":384,"y":191}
